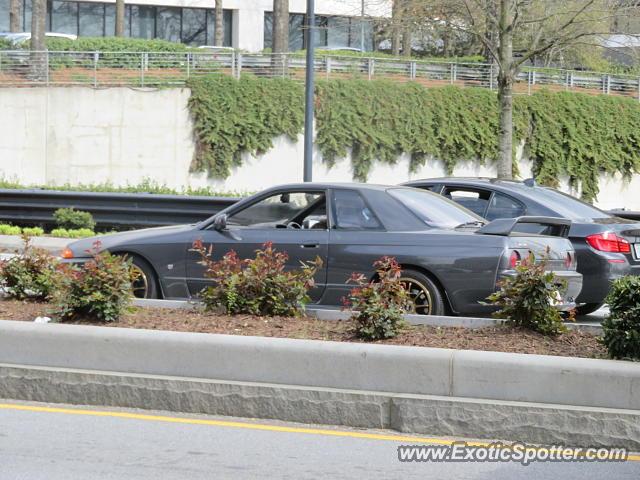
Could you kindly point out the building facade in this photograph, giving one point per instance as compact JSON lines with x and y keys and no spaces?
{"x":248,"y":24}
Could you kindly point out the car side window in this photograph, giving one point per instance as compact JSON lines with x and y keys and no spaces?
{"x":352,"y":213}
{"x":282,"y":210}
{"x":502,"y":206}
{"x":474,"y":200}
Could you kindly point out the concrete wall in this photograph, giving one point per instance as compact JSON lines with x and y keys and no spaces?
{"x":55,"y":136}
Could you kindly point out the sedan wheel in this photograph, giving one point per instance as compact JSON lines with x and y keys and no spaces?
{"x":425,"y":296}
{"x":145,"y":284}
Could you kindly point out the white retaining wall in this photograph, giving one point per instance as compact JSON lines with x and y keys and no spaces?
{"x":53,"y":136}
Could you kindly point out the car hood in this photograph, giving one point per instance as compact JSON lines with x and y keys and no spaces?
{"x":114,"y":240}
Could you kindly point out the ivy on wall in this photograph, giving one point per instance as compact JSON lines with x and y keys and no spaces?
{"x":232,"y":117}
{"x":565,"y":133}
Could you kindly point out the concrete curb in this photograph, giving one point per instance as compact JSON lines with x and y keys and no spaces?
{"x":337,"y":314}
{"x":516,"y":397}
{"x":544,"y":424}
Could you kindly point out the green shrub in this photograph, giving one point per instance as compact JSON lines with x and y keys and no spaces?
{"x":621,"y":328}
{"x":259,"y":286}
{"x":378,"y":305}
{"x":526,"y":299}
{"x":9,"y":230}
{"x":33,"y":274}
{"x":60,"y":232}
{"x":32,"y":232}
{"x":80,"y":233}
{"x":73,"y":219}
{"x":100,"y":290}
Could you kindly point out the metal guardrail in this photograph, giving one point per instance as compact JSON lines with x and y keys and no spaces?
{"x":19,"y":68}
{"x":110,"y":210}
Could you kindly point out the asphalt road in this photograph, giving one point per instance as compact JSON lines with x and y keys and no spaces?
{"x":36,"y":443}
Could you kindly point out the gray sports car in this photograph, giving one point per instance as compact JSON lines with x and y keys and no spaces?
{"x":451,"y":260}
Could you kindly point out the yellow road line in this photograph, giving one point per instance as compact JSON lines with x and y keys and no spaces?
{"x":254,"y":426}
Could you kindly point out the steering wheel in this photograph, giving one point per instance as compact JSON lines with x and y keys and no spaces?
{"x":294,"y":225}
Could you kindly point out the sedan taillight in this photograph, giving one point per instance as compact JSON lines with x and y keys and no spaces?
{"x":609,"y":242}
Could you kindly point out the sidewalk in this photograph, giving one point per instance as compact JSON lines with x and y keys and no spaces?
{"x":53,"y":244}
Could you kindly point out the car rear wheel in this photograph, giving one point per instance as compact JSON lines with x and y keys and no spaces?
{"x":588,"y":308}
{"x":146,"y":283}
{"x":425,"y":295}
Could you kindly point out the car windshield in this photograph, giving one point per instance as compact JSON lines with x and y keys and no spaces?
{"x":434,"y":209}
{"x":565,"y":205}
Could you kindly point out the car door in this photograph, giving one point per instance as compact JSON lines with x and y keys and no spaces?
{"x":356,"y":232}
{"x":294,"y":221}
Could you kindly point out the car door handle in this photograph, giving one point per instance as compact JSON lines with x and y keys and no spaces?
{"x":310,"y":245}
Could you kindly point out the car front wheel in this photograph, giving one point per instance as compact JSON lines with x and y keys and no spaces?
{"x":145,"y":285}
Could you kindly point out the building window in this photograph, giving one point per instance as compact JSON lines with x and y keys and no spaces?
{"x":91,"y":19}
{"x":64,"y":17}
{"x":143,"y":22}
{"x":330,"y":31}
{"x":193,"y":26}
{"x":4,"y":15}
{"x":168,"y":23}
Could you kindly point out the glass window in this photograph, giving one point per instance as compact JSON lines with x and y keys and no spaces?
{"x":26,"y":26}
{"x":434,"y":209}
{"x":228,"y":28}
{"x":474,"y":200}
{"x":502,"y":206}
{"x":292,"y":209}
{"x":352,"y":212}
{"x":110,"y":20}
{"x":296,"y":31}
{"x":321,"y":31}
{"x":360,"y":28}
{"x":91,"y":19}
{"x":338,"y":32}
{"x":268,"y":30}
{"x":168,"y":24}
{"x":4,"y":15}
{"x":562,"y":204}
{"x":143,"y":23}
{"x":194,"y":26}
{"x":64,"y":17}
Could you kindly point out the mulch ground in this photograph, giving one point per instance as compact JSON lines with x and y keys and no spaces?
{"x":500,"y":339}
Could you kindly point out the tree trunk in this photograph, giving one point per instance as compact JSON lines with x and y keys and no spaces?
{"x":219,"y":26}
{"x":38,"y":40}
{"x":14,"y":16}
{"x":505,"y":91}
{"x":119,"y":18}
{"x":280,"y":37}
{"x":406,"y":42}
{"x":280,"y":26}
{"x":395,"y":28}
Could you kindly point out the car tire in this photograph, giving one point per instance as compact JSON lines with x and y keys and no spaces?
{"x":588,"y":308}
{"x":425,"y":295}
{"x":146,"y":285}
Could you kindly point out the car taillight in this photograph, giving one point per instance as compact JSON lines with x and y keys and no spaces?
{"x":66,"y":253}
{"x":567,"y":261}
{"x":514,"y":260}
{"x":609,"y":242}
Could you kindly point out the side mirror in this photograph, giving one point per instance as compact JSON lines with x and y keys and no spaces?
{"x":220,"y":222}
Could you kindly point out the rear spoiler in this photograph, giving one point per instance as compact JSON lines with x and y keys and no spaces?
{"x":556,"y":227}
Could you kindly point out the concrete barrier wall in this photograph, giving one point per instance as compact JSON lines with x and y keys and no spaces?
{"x":77,"y":135}
{"x":309,"y":363}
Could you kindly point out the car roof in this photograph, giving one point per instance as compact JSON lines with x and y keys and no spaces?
{"x":324,"y":185}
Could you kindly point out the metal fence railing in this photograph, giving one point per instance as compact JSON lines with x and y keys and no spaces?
{"x":20,"y":68}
